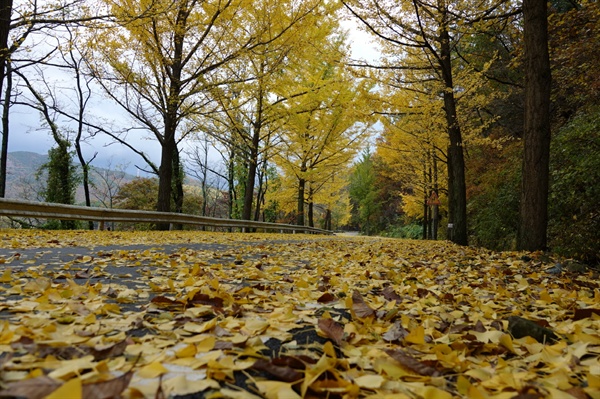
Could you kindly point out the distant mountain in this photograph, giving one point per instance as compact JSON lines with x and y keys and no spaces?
{"x":22,"y":167}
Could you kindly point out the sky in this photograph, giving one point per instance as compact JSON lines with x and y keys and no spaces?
{"x":26,"y":133}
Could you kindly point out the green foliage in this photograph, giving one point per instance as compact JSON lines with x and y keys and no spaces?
{"x":494,"y":197}
{"x":574,"y":228}
{"x":62,"y":180}
{"x":138,"y":194}
{"x":364,"y":194}
{"x":412,"y":231}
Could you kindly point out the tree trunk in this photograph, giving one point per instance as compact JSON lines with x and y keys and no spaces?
{"x":311,"y":206}
{"x":5,"y":129}
{"x":327,"y":225}
{"x":457,"y":190}
{"x":435,"y":212}
{"x":165,"y":178}
{"x":533,"y":221}
{"x":300,"y":210}
{"x":5,"y":15}
{"x":250,"y":183}
{"x":178,"y":177}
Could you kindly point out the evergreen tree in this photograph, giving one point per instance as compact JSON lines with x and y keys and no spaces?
{"x":62,"y":180}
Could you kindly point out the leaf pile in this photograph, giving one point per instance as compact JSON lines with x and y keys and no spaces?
{"x":282,"y":316}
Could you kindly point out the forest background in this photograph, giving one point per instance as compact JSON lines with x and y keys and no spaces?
{"x":305,"y":132}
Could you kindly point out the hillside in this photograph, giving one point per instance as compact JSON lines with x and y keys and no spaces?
{"x":22,"y":167}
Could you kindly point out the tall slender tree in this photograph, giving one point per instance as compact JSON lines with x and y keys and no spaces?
{"x":533,"y":219}
{"x":419,"y":39}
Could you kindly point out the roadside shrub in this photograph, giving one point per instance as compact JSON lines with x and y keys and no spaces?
{"x":574,"y":226}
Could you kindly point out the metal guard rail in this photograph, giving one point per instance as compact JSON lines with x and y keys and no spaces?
{"x":42,"y":210}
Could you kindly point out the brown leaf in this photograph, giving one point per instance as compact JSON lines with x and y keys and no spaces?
{"x":326,"y":297}
{"x":107,"y":389}
{"x":166,"y":303}
{"x":203,"y":299}
{"x":333,"y":330}
{"x":395,"y":333}
{"x":33,"y":388}
{"x":113,"y":351}
{"x":412,"y":364}
{"x":360,"y":307}
{"x":389,"y":294}
{"x":282,"y":373}
{"x":479,"y":327}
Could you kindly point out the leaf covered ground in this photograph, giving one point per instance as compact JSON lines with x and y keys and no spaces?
{"x":219,"y":315}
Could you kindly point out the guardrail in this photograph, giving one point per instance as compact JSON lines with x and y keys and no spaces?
{"x":43,"y":210}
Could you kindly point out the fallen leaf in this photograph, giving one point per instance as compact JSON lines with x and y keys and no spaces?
{"x":411,"y":363}
{"x":332,"y":329}
{"x":71,"y":389}
{"x":34,"y":388}
{"x":360,"y":307}
{"x":107,"y":389}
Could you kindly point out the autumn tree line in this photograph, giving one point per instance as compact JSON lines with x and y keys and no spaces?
{"x":447,"y":135}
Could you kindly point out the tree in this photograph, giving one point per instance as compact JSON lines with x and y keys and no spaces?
{"x":419,"y":39}
{"x":137,"y":194}
{"x":29,"y":18}
{"x":533,"y":220}
{"x":250,"y":114}
{"x":162,"y":60}
{"x":326,"y":125}
{"x":363,"y":193}
{"x":62,"y":178}
{"x":106,"y":184}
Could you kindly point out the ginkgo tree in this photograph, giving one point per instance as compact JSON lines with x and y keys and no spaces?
{"x":251,"y":114}
{"x":418,"y":42}
{"x":413,"y":151}
{"x":163,"y":57}
{"x":325,"y":126}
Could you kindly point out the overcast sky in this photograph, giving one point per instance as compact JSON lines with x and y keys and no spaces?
{"x":26,"y":135}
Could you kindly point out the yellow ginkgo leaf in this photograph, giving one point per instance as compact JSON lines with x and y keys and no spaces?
{"x":152,"y":370}
{"x":71,"y":389}
{"x":187,"y":351}
{"x":416,"y":336}
{"x":370,"y":381}
{"x":277,"y":390}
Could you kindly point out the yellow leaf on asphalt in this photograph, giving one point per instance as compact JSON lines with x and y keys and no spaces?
{"x":6,"y":276}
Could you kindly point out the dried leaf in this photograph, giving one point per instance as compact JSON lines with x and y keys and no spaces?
{"x":411,"y":363}
{"x":395,"y":333}
{"x":581,"y":314}
{"x":360,"y":307}
{"x":282,"y":373}
{"x":389,"y":294}
{"x":107,"y":389}
{"x":326,"y":298}
{"x":332,"y":329}
{"x":71,"y":389}
{"x":34,"y":388}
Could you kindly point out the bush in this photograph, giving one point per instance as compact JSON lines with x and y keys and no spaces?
{"x":493,"y":205}
{"x":574,"y":226}
{"x":413,"y":231}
